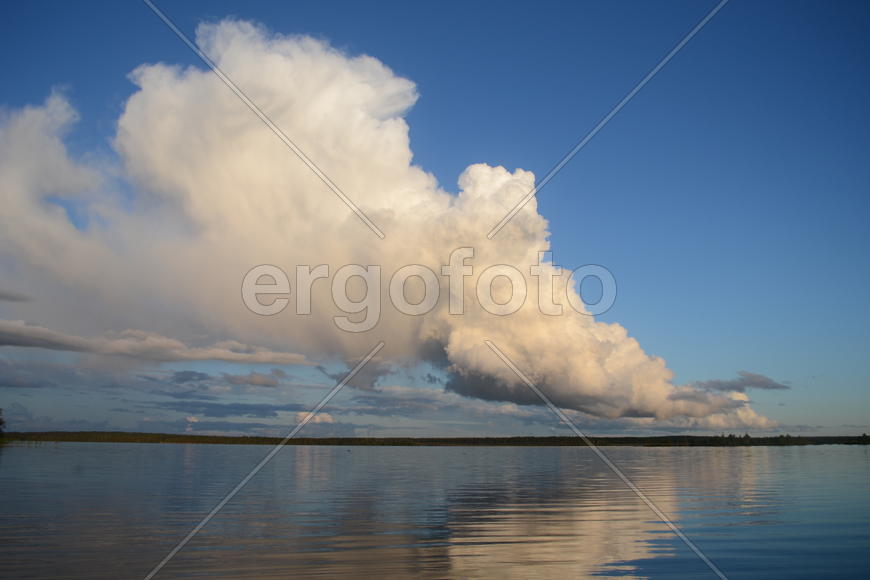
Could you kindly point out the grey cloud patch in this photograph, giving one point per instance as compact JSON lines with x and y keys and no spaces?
{"x":365,"y":379}
{"x":22,"y":383}
{"x":126,"y":410}
{"x":18,"y":374}
{"x":7,"y":296}
{"x":386,"y":406}
{"x":20,"y":334}
{"x":208,"y":409}
{"x":701,"y":396}
{"x":745,"y":380}
{"x":401,"y":401}
{"x":181,"y":377}
{"x":245,"y":428}
{"x":140,"y":345}
{"x":13,"y":376}
{"x":434,"y":353}
{"x":17,"y":413}
{"x":20,"y":418}
{"x":187,"y":395}
{"x":23,"y":374}
{"x":480,"y":386}
{"x":475,"y":385}
{"x":256,"y":379}
{"x":49,"y":374}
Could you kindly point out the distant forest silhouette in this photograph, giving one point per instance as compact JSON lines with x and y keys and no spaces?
{"x":730,"y":440}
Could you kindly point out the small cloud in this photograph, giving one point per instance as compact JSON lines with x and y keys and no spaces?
{"x":253,"y":378}
{"x":319,"y":418}
{"x":745,"y":380}
{"x":366,"y":378}
{"x":181,"y":377}
{"x":223,"y":410}
{"x":7,"y":296}
{"x":192,"y":394}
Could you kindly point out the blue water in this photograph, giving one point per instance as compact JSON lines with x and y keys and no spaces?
{"x":101,"y":510}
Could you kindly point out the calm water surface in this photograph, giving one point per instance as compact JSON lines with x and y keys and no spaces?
{"x":103,"y":510}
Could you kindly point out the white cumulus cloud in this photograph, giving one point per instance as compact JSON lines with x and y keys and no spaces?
{"x":209,"y":192}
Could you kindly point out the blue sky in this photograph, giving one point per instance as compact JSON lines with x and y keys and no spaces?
{"x":729,"y":198}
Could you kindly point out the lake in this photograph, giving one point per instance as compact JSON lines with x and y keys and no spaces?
{"x":113,"y":510}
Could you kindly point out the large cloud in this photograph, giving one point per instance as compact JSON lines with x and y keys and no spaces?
{"x":215,"y":193}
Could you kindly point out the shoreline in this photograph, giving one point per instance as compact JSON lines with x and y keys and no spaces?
{"x":525,"y":441}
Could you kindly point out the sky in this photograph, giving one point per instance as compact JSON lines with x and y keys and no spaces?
{"x":728,"y":199}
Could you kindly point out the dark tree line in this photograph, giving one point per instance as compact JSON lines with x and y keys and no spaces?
{"x":723,"y":440}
